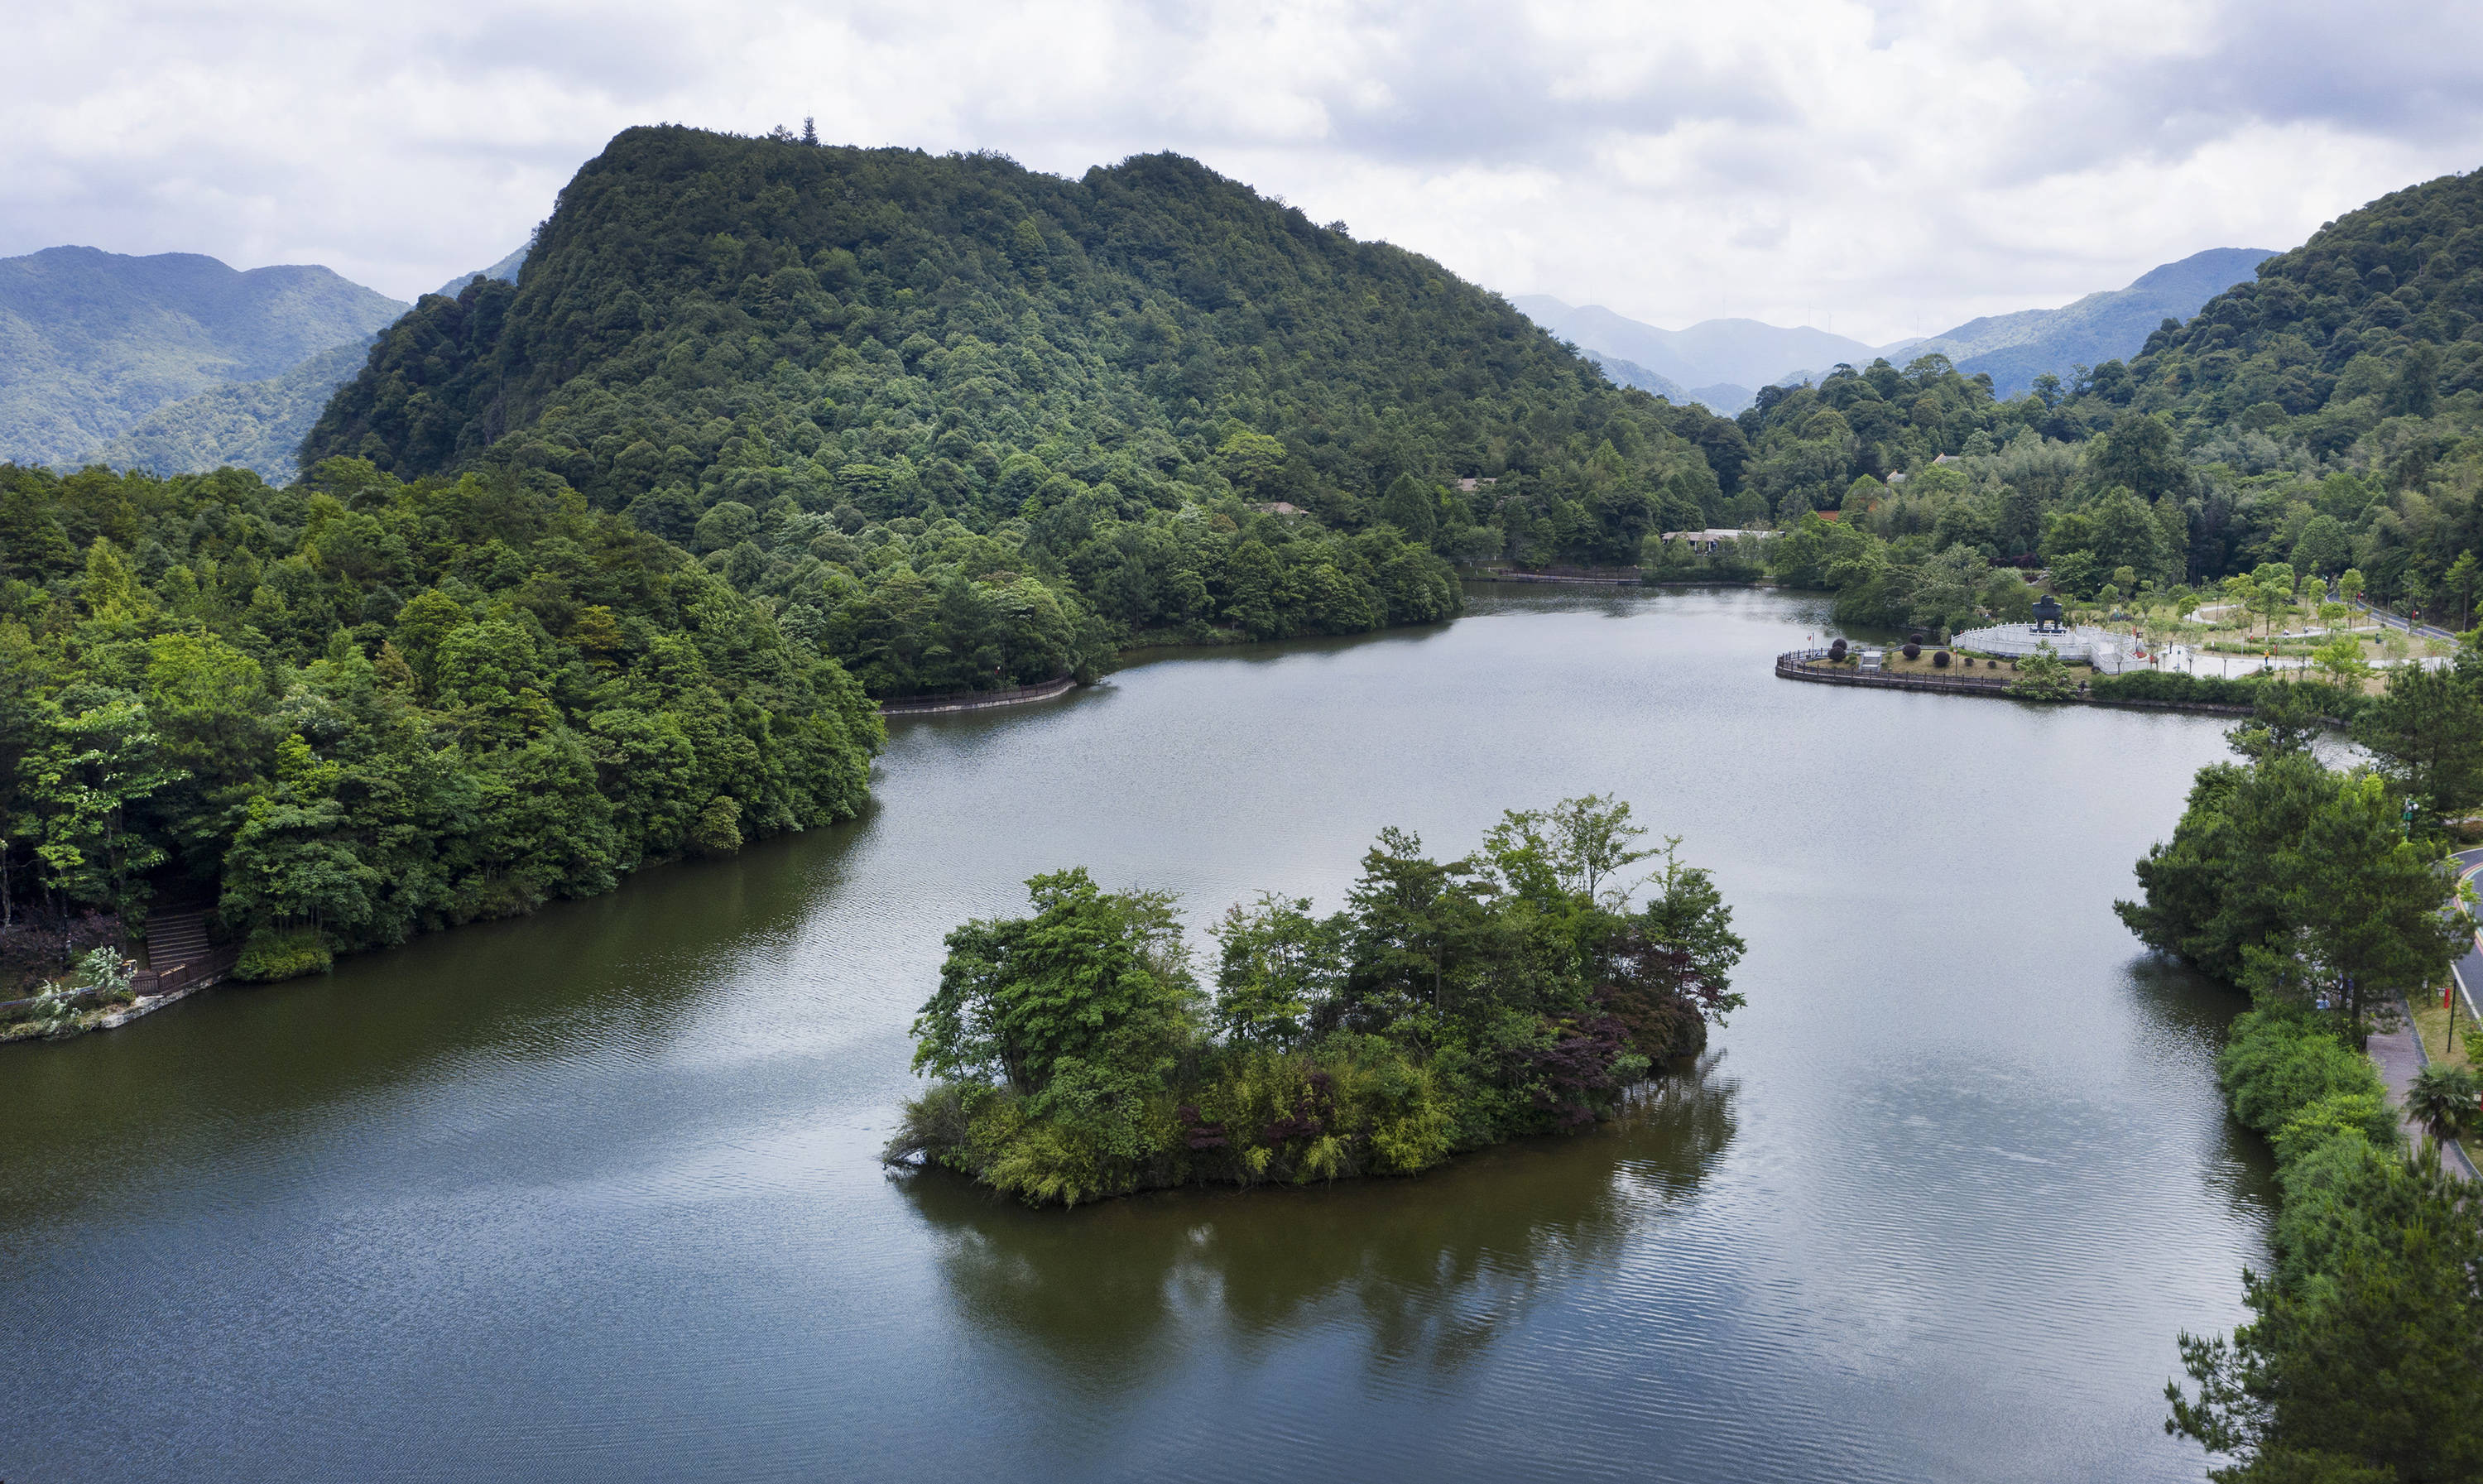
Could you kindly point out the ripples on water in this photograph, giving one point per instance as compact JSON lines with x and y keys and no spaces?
{"x":592,"y":1196}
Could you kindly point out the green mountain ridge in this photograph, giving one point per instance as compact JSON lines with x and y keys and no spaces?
{"x":253,"y":425}
{"x":2014,"y":348}
{"x":93,"y":342}
{"x":832,"y":370}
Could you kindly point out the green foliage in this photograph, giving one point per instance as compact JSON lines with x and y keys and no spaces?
{"x":271,"y":955}
{"x":97,"y":340}
{"x":2442,"y":1096}
{"x":2426,"y":736}
{"x":2278,"y":1065}
{"x":2044,"y":675}
{"x":1094,"y":979}
{"x":979,"y":420}
{"x":1448,"y":1006}
{"x":2365,"y":1356}
{"x":254,"y":425}
{"x":2300,"y":881}
{"x":108,"y":976}
{"x":359,"y":708}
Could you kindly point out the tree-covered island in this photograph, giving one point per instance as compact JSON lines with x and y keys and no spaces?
{"x":1524,"y":989}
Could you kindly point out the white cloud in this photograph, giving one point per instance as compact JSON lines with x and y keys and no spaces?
{"x":1897,"y":167}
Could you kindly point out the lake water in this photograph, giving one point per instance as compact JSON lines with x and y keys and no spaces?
{"x":592,"y":1196}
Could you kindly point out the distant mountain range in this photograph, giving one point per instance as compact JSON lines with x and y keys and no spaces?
{"x":1717,"y":363}
{"x":2014,"y":348}
{"x":1720,"y":362}
{"x":505,"y":270}
{"x":177,"y":362}
{"x":91,"y":342}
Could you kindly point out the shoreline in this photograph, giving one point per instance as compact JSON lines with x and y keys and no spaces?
{"x":1792,"y":666}
{"x":976,"y":701}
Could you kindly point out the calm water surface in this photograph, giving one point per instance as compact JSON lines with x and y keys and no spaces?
{"x":592,"y":1196}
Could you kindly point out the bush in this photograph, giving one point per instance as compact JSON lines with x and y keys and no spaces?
{"x":2277,"y":1065}
{"x":2171,"y":686}
{"x":108,"y":977}
{"x":1836,"y":650}
{"x":271,"y":955}
{"x":1914,"y":649}
{"x":1939,"y":659}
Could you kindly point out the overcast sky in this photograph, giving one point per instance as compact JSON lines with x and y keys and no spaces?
{"x":1876,"y":170}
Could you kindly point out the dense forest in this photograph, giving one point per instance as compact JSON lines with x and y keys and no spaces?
{"x":1449,"y":1005}
{"x":603,"y":567}
{"x":2323,"y":415}
{"x":355,"y":708}
{"x":782,"y":354}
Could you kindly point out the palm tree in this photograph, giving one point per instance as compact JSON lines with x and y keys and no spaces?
{"x":2443,"y":1097}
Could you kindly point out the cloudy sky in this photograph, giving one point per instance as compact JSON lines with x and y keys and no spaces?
{"x":1876,"y":170}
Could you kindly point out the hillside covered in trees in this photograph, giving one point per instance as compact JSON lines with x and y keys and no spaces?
{"x":807,"y":363}
{"x":2323,"y":416}
{"x":93,"y":342}
{"x":355,"y":708}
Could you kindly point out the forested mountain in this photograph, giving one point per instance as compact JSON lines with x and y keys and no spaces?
{"x":2374,"y":319}
{"x":922,"y":402}
{"x":1629,"y":373}
{"x":505,"y":270}
{"x":92,"y":342}
{"x":256,"y":426}
{"x":2014,"y":348}
{"x":2321,"y":418}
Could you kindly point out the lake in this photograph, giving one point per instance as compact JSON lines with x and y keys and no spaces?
{"x":594,"y":1195}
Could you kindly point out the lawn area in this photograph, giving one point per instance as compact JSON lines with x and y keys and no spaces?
{"x":1960,"y":667}
{"x":2433,"y":1022}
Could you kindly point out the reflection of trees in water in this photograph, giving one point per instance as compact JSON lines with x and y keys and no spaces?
{"x":579,"y":978}
{"x":2185,"y":1015}
{"x":1430,"y":1270}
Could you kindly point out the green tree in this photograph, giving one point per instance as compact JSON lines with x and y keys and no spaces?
{"x":1278,"y":965}
{"x":1092,"y":977}
{"x":99,"y":762}
{"x":2140,"y":454}
{"x":2044,"y":675}
{"x":2426,"y":732}
{"x":1409,"y":506}
{"x":2377,"y":909}
{"x":2443,"y":1097}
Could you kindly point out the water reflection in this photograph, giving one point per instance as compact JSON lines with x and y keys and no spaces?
{"x":1427,"y":1272}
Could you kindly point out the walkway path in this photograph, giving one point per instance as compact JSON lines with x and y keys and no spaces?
{"x":2400,"y":1053}
{"x":2400,"y":1057}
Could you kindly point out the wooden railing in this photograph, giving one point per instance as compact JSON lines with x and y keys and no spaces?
{"x":151,"y":983}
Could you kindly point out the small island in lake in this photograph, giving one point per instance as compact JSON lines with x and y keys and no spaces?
{"x":1522,"y":989}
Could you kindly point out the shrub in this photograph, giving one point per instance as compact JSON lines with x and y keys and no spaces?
{"x":2278,"y":1065}
{"x":271,"y":955}
{"x":1939,"y":659}
{"x":1836,"y":650}
{"x":108,"y":976}
{"x":1914,"y":649}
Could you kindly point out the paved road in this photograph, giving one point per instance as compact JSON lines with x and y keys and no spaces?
{"x":2387,"y":620}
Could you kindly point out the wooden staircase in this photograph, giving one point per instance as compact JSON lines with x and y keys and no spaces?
{"x":175,"y":938}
